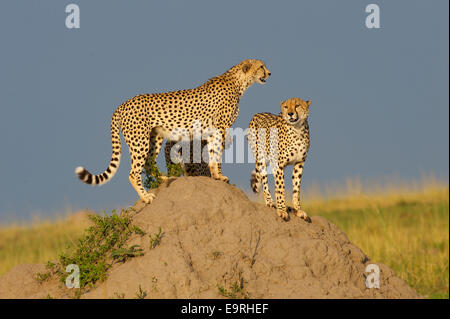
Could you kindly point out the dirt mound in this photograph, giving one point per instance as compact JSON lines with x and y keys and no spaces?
{"x":217,"y":243}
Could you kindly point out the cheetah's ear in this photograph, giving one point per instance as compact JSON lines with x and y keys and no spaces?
{"x":246,"y":67}
{"x":308,"y":103}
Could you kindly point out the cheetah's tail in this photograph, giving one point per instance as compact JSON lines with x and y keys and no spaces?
{"x":255,"y":181}
{"x":101,"y":179}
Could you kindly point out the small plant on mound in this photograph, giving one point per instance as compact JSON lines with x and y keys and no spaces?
{"x":141,"y":294}
{"x":236,"y":291}
{"x":174,"y":170}
{"x":118,"y":296}
{"x":138,"y":231}
{"x":41,"y":277}
{"x":153,"y":176}
{"x":122,"y":254}
{"x":155,"y":241}
{"x":216,"y":254}
{"x":102,"y":245}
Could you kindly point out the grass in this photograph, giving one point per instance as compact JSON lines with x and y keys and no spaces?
{"x":156,"y":239}
{"x":141,"y":294}
{"x":410,"y":237}
{"x":38,"y":242}
{"x":236,"y":290}
{"x":406,"y":229}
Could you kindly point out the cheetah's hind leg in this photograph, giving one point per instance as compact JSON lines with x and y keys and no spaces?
{"x":136,"y":181}
{"x":141,"y":156}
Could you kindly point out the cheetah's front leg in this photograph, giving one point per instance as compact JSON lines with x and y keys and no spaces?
{"x":296,"y":181}
{"x":279,"y":193}
{"x":261,"y":174}
{"x":216,"y":144}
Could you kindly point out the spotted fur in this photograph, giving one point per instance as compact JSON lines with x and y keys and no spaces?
{"x":147,"y":119}
{"x":287,"y":145}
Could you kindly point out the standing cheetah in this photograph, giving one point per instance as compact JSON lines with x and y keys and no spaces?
{"x":147,"y":119}
{"x":280,"y":140}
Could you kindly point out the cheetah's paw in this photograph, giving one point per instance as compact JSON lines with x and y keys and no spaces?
{"x":300,"y":213}
{"x":283,"y":215}
{"x":148,"y":198}
{"x":223,"y":178}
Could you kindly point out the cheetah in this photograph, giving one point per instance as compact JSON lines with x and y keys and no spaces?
{"x":147,"y":119}
{"x":285,"y":138}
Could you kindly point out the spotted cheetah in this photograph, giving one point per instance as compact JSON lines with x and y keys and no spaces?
{"x":280,"y":140}
{"x":147,"y":119}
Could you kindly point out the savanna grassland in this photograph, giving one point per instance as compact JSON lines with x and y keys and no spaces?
{"x":405,"y":227}
{"x":409,"y":233}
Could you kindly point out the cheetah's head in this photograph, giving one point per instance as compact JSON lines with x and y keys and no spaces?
{"x":253,"y":70}
{"x":295,"y":110}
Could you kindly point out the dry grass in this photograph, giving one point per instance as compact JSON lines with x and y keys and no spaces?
{"x":39,"y":241}
{"x":411,"y":236}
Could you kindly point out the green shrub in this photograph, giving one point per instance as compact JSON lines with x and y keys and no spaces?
{"x":101,"y":246}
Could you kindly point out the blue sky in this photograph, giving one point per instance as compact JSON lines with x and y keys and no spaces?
{"x":380,"y":103}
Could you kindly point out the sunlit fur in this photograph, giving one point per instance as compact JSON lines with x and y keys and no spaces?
{"x":147,"y":119}
{"x":280,"y":140}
